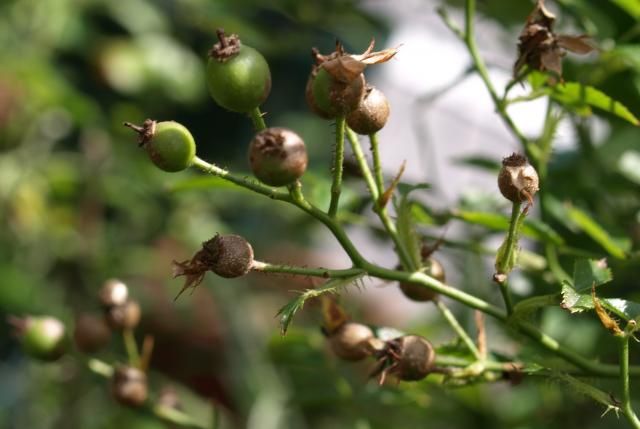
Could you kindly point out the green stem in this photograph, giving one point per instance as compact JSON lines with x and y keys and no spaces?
{"x":377,"y":165}
{"x":169,"y":415}
{"x":265,"y":267}
{"x":590,"y":367}
{"x":131,"y":347}
{"x":448,"y":315}
{"x":382,"y":212}
{"x":257,"y":119}
{"x":624,"y":379}
{"x":338,"y":159}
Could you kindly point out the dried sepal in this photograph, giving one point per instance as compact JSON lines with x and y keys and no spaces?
{"x":607,"y":321}
{"x":333,"y":314}
{"x":539,"y":48}
{"x":346,"y":67}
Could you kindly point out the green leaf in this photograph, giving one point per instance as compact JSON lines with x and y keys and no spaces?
{"x":406,"y":225}
{"x":421,"y":216}
{"x":616,"y":248}
{"x":632,"y":7}
{"x":287,"y":312}
{"x":481,"y":162}
{"x":533,"y":228}
{"x":406,"y":188}
{"x":589,"y":272}
{"x":582,"y":97}
{"x":588,"y":390}
{"x":527,"y":307}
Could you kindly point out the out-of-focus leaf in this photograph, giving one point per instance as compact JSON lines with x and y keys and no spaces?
{"x":615,"y":247}
{"x":582,"y":97}
{"x":421,"y":216}
{"x":406,"y":188}
{"x":407,"y":232}
{"x":588,"y":390}
{"x":629,"y":165}
{"x":632,"y":7}
{"x":533,"y":228}
{"x":287,"y":312}
{"x":527,"y":307}
{"x":577,"y":219}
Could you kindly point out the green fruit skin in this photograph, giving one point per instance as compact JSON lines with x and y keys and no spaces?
{"x":172,"y":147}
{"x":331,"y":98}
{"x":241,"y":83}
{"x":44,"y":338}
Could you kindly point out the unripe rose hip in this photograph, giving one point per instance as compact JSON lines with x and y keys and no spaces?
{"x":129,"y":386}
{"x":371,"y":114}
{"x":518,"y":180}
{"x":416,"y":359}
{"x":277,"y":156}
{"x":238,"y":76}
{"x":169,"y":145}
{"x":329,"y":97}
{"x":42,"y":337}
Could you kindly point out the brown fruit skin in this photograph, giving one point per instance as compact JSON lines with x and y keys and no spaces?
{"x":518,"y":181}
{"x":125,"y":316}
{"x":421,"y":293}
{"x":351,"y":341}
{"x":278,"y":156}
{"x":113,"y":292}
{"x":91,"y":333}
{"x":231,"y":255}
{"x":328,"y":97}
{"x":417,"y":358}
{"x":372,"y":112}
{"x":129,"y":386}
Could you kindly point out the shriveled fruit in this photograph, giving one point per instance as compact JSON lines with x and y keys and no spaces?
{"x":518,"y":180}
{"x":351,"y":341}
{"x":129,"y":386}
{"x":277,"y":156}
{"x":125,"y":316}
{"x":371,"y":114}
{"x":416,"y":358}
{"x":238,"y":76}
{"x":169,"y":145}
{"x":419,"y":292}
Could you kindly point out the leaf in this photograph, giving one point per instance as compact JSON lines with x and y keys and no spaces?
{"x":527,"y":307}
{"x":632,"y":7}
{"x":582,"y":97}
{"x":479,"y":161}
{"x":588,"y":390}
{"x":533,"y":228}
{"x":407,"y":234}
{"x":287,"y":312}
{"x":598,"y":233}
{"x":590,"y":272}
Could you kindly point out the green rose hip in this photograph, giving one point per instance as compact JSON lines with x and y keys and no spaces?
{"x":238,"y":76}
{"x":170,"y":145}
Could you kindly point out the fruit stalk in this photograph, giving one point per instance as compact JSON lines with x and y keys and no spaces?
{"x":338,"y":159}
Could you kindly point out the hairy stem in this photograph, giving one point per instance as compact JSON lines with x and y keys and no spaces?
{"x":131,"y":347}
{"x":377,"y":165}
{"x":257,"y":119}
{"x":338,"y":159}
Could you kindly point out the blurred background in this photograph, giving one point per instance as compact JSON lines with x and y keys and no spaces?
{"x":80,"y":203}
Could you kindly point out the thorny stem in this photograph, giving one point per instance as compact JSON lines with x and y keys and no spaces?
{"x":624,"y":379}
{"x":377,"y":165}
{"x":525,"y":328}
{"x":257,"y":117}
{"x":449,"y":317}
{"x":265,"y":267}
{"x":169,"y":415}
{"x":338,"y":159}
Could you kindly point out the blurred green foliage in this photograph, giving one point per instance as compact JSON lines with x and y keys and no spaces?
{"x":79,"y":203}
